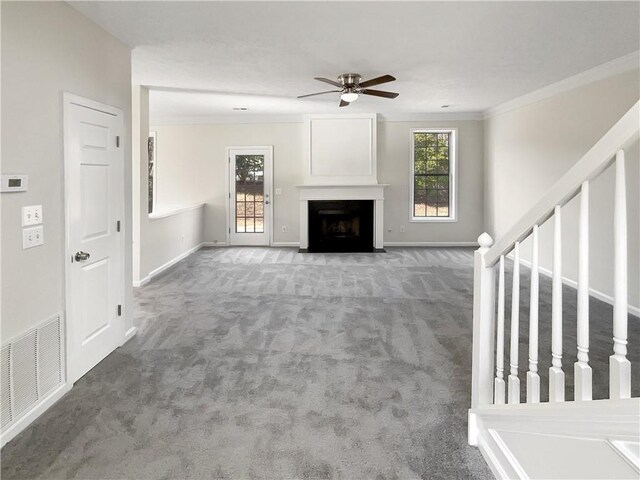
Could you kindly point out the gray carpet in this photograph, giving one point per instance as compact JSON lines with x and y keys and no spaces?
{"x":265,"y":363}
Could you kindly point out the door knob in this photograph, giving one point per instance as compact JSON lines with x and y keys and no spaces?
{"x":82,"y":256}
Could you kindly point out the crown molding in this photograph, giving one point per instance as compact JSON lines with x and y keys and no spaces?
{"x":430,"y":116}
{"x":620,"y":65}
{"x":162,"y":120}
{"x":168,"y":120}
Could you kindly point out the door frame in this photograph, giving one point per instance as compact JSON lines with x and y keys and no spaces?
{"x":227,"y":195}
{"x":69,"y":100}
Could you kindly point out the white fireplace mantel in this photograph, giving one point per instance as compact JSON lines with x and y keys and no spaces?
{"x":373,"y":192}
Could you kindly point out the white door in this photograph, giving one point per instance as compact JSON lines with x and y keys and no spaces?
{"x":250,"y":173}
{"x":94,"y":193}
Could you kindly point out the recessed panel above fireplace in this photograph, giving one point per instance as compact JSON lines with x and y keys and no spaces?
{"x":341,"y":226}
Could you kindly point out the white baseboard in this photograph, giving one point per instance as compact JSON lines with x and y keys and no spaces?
{"x":130,"y":334}
{"x":633,"y":310}
{"x":141,"y":282}
{"x":214,"y":244}
{"x":285,"y":244}
{"x":430,"y":244}
{"x":169,"y":264}
{"x":37,"y":410}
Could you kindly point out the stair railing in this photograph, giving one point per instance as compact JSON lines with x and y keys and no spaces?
{"x":488,"y":385}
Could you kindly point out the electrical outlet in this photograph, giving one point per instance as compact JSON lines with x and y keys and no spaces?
{"x":32,"y":237}
{"x":31,"y":215}
{"x":278,"y":191}
{"x":284,"y":229}
{"x":401,"y":228}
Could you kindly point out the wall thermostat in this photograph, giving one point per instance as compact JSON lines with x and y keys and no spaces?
{"x":13,"y":183}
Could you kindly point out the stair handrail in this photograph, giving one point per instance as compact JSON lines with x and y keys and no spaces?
{"x":487,"y":389}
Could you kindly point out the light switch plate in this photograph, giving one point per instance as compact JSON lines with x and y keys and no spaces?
{"x":31,"y":215}
{"x":32,"y":237}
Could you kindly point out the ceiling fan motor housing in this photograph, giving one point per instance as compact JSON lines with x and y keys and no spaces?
{"x":349,"y":79}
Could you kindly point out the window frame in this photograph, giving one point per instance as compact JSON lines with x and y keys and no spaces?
{"x":453,"y":177}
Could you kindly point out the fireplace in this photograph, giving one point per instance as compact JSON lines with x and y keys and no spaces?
{"x":341,"y":226}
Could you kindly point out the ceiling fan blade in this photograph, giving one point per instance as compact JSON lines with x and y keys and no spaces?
{"x":343,"y":103}
{"x":379,"y":93}
{"x":319,"y":93}
{"x":330,"y":82}
{"x":377,"y":81}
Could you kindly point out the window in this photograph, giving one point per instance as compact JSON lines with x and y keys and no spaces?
{"x":152,"y":170}
{"x":433,"y":175}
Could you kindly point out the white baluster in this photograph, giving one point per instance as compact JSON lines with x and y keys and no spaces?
{"x":619,"y":365}
{"x":499,"y":387}
{"x":582,"y":370}
{"x":533,"y":379}
{"x":556,"y":375}
{"x":514,"y":381}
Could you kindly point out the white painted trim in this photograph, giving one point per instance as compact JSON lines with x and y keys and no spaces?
{"x":453,"y":176}
{"x":241,"y":119}
{"x":601,"y":420}
{"x":430,"y":244}
{"x":431,"y":117}
{"x":285,"y":244}
{"x":171,"y":210}
{"x":214,"y":244}
{"x":142,"y":282}
{"x":169,"y":264}
{"x":633,"y":310}
{"x":609,"y":69}
{"x":130,"y":334}
{"x":367,"y":179}
{"x":23,"y":422}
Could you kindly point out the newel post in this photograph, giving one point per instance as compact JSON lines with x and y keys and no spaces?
{"x":483,"y":331}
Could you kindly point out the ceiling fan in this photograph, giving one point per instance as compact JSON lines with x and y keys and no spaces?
{"x":351,"y":87}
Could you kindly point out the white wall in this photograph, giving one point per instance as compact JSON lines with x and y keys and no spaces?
{"x":528,"y":149}
{"x":192,"y":168}
{"x":393,"y":168}
{"x":158,"y":242}
{"x":49,"y":48}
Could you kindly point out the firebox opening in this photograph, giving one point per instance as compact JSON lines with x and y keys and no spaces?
{"x":341,"y":226}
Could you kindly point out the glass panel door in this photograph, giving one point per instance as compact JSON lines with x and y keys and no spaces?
{"x":250,"y":177}
{"x":249,"y":193}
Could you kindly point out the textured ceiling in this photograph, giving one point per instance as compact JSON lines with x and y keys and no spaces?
{"x":261,"y":55}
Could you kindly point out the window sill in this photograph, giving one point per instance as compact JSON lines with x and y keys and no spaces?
{"x":433,"y":219}
{"x":171,"y":210}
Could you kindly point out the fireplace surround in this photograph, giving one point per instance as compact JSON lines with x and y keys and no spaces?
{"x":340,"y":165}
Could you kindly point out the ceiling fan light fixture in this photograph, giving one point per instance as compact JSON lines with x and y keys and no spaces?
{"x":349,"y":97}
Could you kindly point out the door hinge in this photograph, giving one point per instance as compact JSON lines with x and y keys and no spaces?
{"x":229,"y":230}
{"x":229,"y":194}
{"x":119,"y":310}
{"x":118,"y":226}
{"x":118,"y":141}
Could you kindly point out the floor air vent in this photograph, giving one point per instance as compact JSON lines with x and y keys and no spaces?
{"x":31,"y":367}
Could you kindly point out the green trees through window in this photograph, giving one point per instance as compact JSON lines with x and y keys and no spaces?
{"x":431,"y":174}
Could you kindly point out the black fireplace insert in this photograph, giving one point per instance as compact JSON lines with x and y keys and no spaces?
{"x":341,"y":226}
